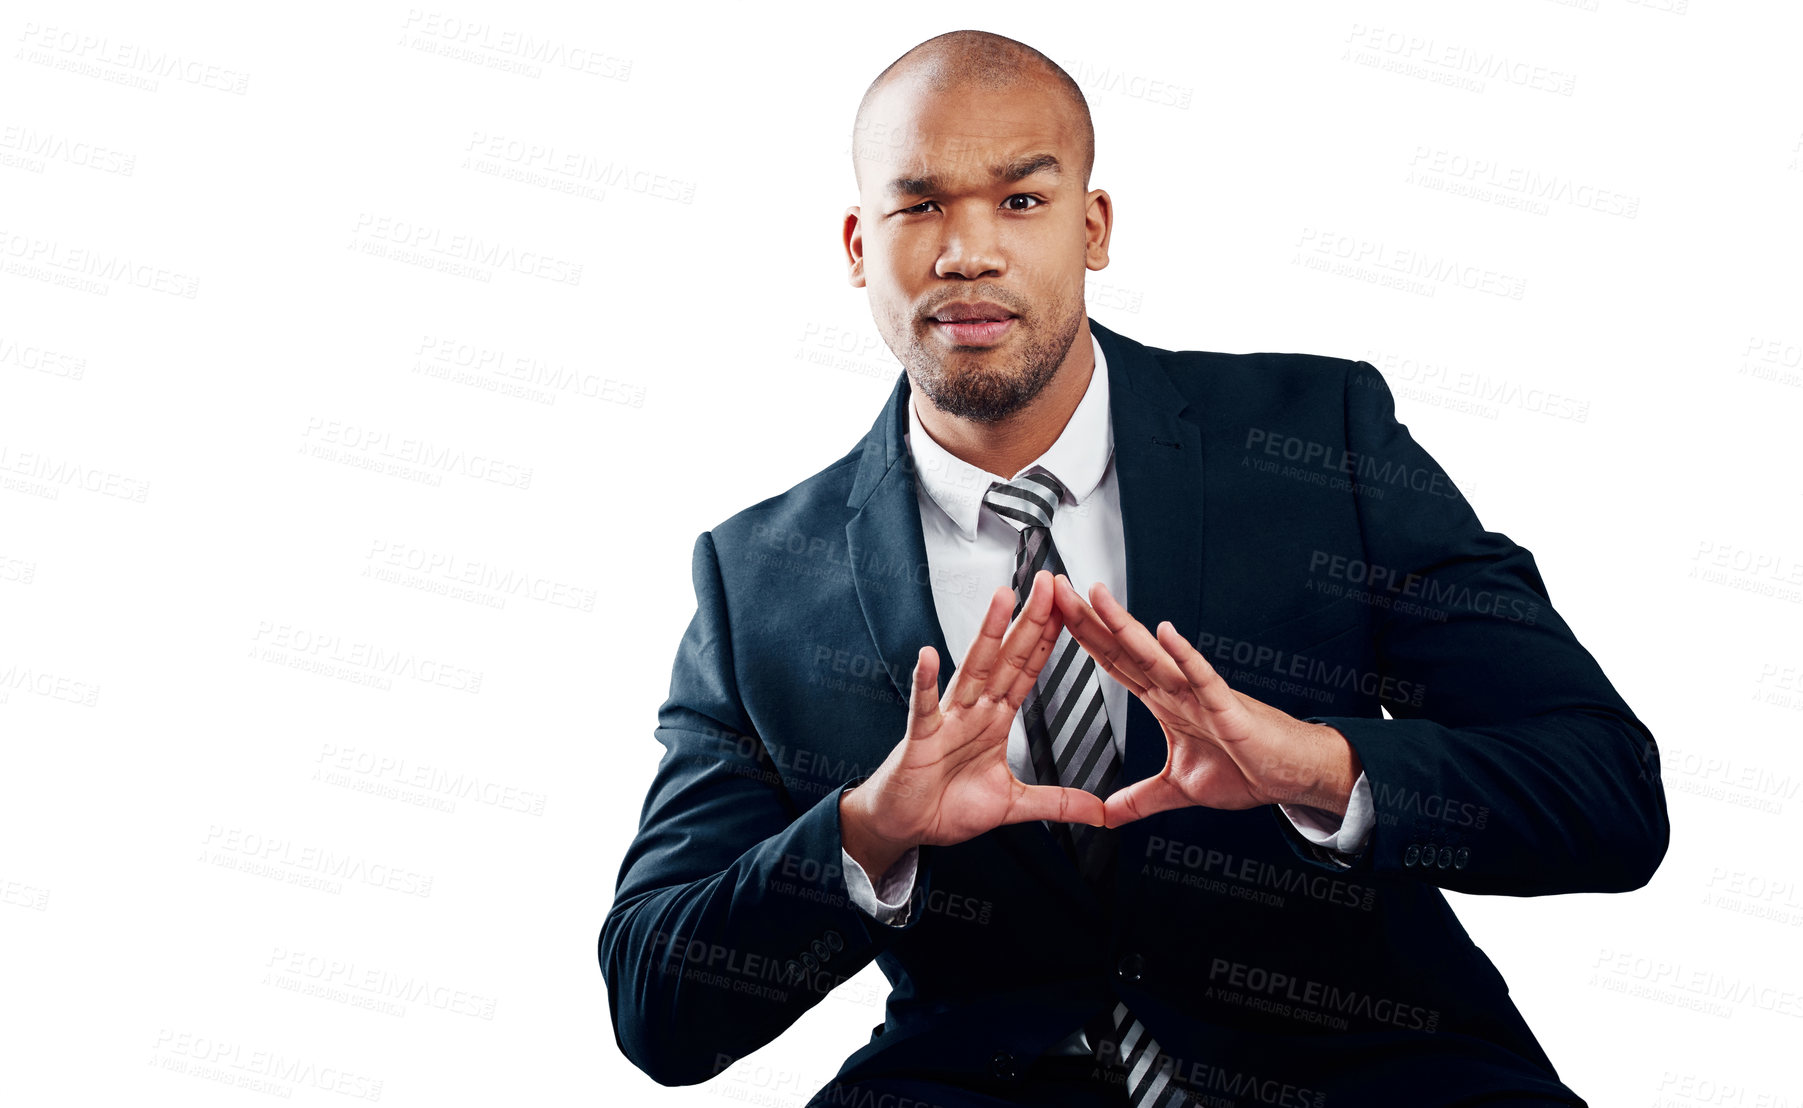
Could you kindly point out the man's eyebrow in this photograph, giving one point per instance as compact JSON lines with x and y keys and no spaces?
{"x":1017,"y":169}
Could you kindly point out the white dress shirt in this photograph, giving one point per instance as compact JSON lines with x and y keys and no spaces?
{"x":970,"y":551}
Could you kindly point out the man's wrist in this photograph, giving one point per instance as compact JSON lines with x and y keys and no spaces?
{"x":1325,"y":775}
{"x":875,"y":853}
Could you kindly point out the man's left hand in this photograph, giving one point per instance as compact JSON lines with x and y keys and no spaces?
{"x":1225,"y":749}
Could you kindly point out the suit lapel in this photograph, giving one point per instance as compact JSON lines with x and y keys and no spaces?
{"x":887,"y":550}
{"x":1158,"y":464}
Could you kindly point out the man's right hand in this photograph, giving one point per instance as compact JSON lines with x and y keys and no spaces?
{"x":948,"y":780}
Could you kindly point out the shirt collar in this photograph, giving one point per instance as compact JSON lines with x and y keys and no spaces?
{"x":1077,"y":459}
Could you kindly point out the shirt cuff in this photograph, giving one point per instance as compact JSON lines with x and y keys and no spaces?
{"x":891,"y":903}
{"x":1346,"y":834}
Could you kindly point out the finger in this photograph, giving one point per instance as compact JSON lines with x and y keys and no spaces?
{"x":1088,"y":629}
{"x":1056,"y":803}
{"x":1024,"y":637}
{"x":1028,"y":677}
{"x":1211,"y":688}
{"x":979,"y":661}
{"x":923,"y":697}
{"x":1142,"y":799}
{"x":1139,"y":644}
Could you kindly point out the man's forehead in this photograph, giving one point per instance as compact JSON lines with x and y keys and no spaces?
{"x":969,"y":132}
{"x":902,"y":161}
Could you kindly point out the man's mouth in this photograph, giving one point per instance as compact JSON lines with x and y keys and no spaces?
{"x":981,"y":311}
{"x":974,"y":324}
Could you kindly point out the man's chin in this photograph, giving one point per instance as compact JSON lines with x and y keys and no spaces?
{"x":963,"y":395}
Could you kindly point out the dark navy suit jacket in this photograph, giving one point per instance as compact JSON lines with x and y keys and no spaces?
{"x":1281,"y":518}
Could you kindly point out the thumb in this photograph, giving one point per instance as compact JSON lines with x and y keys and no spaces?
{"x":1142,"y":799}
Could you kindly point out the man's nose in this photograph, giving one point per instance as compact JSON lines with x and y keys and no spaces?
{"x":972,"y":247}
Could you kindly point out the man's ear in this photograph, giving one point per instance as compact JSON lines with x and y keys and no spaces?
{"x":854,"y":246}
{"x":1098,"y":225}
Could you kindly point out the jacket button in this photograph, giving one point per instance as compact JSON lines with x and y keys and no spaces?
{"x":1002,"y":1065}
{"x":1445,"y":859}
{"x":810,"y":961}
{"x":821,"y":950}
{"x":792,"y":969}
{"x":1131,"y":968}
{"x":1412,"y":854}
{"x":1461,"y":857}
{"x":835,"y":940}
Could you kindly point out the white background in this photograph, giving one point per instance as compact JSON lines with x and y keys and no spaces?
{"x":218,"y":671}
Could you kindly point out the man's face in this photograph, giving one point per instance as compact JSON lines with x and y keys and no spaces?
{"x":964,"y":216}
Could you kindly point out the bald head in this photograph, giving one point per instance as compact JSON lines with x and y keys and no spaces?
{"x":975,"y":60}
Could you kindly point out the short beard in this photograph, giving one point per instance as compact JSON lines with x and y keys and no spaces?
{"x":993,"y":392}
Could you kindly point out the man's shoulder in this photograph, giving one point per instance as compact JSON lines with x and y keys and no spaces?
{"x":1224,"y":382}
{"x":1263,"y":365}
{"x":808,"y":514}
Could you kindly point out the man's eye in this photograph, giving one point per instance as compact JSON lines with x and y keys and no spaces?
{"x":1036,"y":202}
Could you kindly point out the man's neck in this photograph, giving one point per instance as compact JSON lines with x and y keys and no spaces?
{"x":1009,"y":445}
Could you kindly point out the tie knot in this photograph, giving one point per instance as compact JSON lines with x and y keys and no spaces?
{"x":1028,"y":501}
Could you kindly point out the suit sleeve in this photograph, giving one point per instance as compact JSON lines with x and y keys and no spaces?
{"x":731,"y":915}
{"x":1511,"y":766}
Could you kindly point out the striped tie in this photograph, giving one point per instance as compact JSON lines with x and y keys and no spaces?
{"x":1072,"y":744}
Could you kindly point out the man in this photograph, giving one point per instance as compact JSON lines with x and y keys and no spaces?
{"x":1105,"y":861}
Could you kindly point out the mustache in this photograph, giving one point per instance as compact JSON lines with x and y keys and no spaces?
{"x":966,"y":295}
